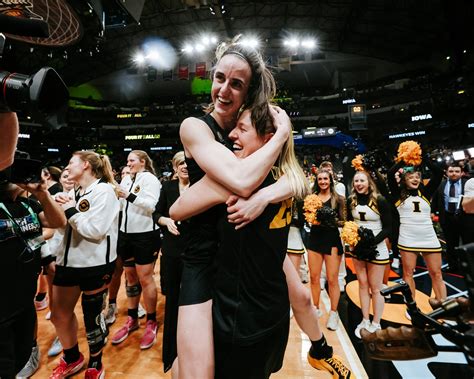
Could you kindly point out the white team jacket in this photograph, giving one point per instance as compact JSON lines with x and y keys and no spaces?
{"x":139,"y":206}
{"x":90,"y":237}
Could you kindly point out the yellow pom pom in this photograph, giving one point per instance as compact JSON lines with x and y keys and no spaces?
{"x":357,"y":163}
{"x":311,"y":204}
{"x":350,"y":233}
{"x":410,"y":153}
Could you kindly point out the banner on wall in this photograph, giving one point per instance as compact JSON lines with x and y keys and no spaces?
{"x":200,"y":69}
{"x":183,"y":72}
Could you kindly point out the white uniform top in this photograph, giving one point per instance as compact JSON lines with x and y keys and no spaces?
{"x":138,"y":209}
{"x":340,"y":189}
{"x":90,"y":237}
{"x":416,"y":228}
{"x":368,"y":217}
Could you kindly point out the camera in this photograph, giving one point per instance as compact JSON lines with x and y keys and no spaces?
{"x":23,"y":170}
{"x":43,"y":92}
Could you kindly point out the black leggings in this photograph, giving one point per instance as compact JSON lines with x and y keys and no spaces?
{"x":16,"y":341}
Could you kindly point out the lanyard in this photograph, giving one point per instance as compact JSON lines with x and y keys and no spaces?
{"x":16,"y":227}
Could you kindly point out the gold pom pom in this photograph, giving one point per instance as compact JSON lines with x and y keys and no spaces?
{"x":410,"y":153}
{"x":357,"y":163}
{"x":350,"y":233}
{"x":311,"y":204}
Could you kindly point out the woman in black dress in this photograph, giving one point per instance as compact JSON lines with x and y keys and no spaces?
{"x":171,"y":266}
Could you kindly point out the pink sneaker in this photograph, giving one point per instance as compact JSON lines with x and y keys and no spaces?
{"x":121,"y":334}
{"x":149,"y":337}
{"x":93,"y":373}
{"x":64,"y":370}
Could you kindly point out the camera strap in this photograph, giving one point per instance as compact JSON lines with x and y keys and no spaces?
{"x":37,"y":240}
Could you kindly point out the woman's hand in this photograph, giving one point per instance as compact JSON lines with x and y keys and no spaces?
{"x":243,"y":211}
{"x":172,"y":228}
{"x":281,"y":122}
{"x":65,"y":201}
{"x":123,"y":192}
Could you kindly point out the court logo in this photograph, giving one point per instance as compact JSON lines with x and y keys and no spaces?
{"x":84,"y":205}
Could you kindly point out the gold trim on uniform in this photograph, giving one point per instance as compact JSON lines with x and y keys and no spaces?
{"x":84,"y":205}
{"x":293,"y":251}
{"x":419,"y":249}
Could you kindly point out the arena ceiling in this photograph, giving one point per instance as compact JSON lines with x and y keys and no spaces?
{"x":400,"y":32}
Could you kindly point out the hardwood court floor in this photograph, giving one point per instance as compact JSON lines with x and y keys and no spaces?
{"x":126,"y":360}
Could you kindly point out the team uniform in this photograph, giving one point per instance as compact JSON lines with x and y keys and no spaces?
{"x":250,"y":303}
{"x":19,"y":279}
{"x":86,"y":256}
{"x":417,"y":234}
{"x":201,"y":244}
{"x":376,"y":217}
{"x":295,"y":241}
{"x":323,"y":238}
{"x":139,"y":236}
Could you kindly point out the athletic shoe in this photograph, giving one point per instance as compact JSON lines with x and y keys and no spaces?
{"x":110,"y":315}
{"x":93,"y":373}
{"x":333,"y":365}
{"x":333,"y":321}
{"x":121,"y":334}
{"x":365,"y":324}
{"x":407,"y":315}
{"x":64,"y":370}
{"x":141,"y":311}
{"x":55,"y":348}
{"x":149,"y":337}
{"x":373,"y":327}
{"x":42,"y":304}
{"x":32,"y":365}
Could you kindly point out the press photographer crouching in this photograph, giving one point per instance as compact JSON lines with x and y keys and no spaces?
{"x":21,"y":223}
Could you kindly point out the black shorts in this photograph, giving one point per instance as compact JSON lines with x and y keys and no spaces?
{"x":87,"y":278}
{"x":16,"y":341}
{"x":143,"y":248}
{"x":323,"y":238}
{"x":198,"y":265}
{"x":256,"y":361}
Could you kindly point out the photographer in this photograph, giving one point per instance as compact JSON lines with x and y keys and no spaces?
{"x":9,"y":132}
{"x":21,"y":223}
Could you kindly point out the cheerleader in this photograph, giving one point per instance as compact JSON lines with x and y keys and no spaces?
{"x":139,"y":243}
{"x":370,"y":210}
{"x":85,"y":261}
{"x":325,"y":245}
{"x":417,"y":234}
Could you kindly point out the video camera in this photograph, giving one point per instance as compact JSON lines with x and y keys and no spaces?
{"x":23,"y":170}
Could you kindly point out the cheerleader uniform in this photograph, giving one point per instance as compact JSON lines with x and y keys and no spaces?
{"x":376,"y":217}
{"x":417,"y":234}
{"x":295,"y":242}
{"x":323,"y":238}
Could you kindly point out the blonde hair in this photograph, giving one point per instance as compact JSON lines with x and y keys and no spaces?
{"x":373,"y":192}
{"x":100,"y":165}
{"x":262,"y":86}
{"x":178,"y":159}
{"x":143,"y":156}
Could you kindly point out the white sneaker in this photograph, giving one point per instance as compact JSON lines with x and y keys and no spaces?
{"x":110,"y":315}
{"x":373,"y":327}
{"x":32,"y":365}
{"x":407,"y":315}
{"x":365,"y":324}
{"x":333,"y":320}
{"x":141,"y":311}
{"x":55,"y":348}
{"x":396,"y":263}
